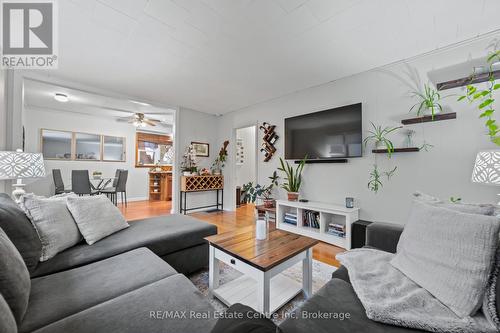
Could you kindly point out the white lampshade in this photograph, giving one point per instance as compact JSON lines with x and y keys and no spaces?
{"x":17,"y":165}
{"x":487,"y":168}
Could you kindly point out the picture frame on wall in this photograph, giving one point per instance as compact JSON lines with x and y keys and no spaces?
{"x":202,"y":149}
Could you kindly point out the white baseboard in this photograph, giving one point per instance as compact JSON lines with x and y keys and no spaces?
{"x":136,"y":198}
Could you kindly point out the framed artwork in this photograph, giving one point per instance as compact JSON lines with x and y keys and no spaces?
{"x":202,"y":149}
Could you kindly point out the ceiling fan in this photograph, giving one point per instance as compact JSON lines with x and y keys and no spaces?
{"x":139,"y":120}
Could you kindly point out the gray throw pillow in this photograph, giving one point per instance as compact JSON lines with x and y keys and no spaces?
{"x":96,"y":217}
{"x":15,"y":283}
{"x":20,"y":231}
{"x":491,"y":302}
{"x":449,"y":253}
{"x":7,"y":320}
{"x":53,"y":221}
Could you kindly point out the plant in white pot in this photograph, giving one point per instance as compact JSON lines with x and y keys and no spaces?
{"x":189,"y":165}
{"x":293,"y":178}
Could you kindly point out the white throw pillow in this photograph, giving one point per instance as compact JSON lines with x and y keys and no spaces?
{"x":53,"y":222}
{"x":96,"y":217}
{"x":449,"y":253}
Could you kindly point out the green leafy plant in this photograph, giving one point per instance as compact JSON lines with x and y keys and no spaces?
{"x":293,"y":177}
{"x":219,"y":162}
{"x":375,"y":182}
{"x":378,"y":135}
{"x":251,"y":193}
{"x":485,"y":100}
{"x":429,"y":99}
{"x":455,"y":200}
{"x":390,"y":173}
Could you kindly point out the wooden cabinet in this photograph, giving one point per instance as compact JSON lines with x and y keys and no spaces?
{"x":160,"y":185}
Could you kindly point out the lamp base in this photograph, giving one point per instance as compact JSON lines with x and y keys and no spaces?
{"x":18,"y":190}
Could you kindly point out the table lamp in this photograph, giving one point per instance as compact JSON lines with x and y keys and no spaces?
{"x":487,"y":168}
{"x":19,"y":165}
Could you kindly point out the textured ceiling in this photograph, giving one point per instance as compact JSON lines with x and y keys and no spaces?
{"x":221,"y":55}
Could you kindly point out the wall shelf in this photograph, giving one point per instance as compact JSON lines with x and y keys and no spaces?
{"x":426,"y":119}
{"x":396,"y":150}
{"x":467,"y":80}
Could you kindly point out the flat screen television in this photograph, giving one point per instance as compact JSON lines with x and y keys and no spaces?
{"x":329,"y":134}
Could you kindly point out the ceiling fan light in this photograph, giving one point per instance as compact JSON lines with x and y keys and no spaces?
{"x":143,"y":124}
{"x":63,"y":98}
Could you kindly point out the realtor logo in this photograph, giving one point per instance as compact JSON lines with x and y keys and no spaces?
{"x":29,"y":37}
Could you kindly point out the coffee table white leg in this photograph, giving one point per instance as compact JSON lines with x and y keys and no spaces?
{"x":263,"y":292}
{"x":213,"y":270}
{"x":307,"y":273}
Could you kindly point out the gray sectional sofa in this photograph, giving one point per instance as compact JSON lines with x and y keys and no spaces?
{"x":119,"y":284}
{"x":339,"y":296}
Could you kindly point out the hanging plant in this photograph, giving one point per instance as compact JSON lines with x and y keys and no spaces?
{"x":429,"y":101}
{"x":375,"y":182}
{"x":378,"y":136}
{"x":484,"y":99}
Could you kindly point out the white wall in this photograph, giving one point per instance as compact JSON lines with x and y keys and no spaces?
{"x":246,"y":172}
{"x":444,"y":171}
{"x":36,"y":119}
{"x":199,"y":127}
{"x":3,"y":121}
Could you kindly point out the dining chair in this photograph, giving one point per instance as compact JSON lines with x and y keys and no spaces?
{"x":80,"y":183}
{"x":120,"y":186}
{"x":58,"y":182}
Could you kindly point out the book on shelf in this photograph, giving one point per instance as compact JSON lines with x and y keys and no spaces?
{"x":311,"y":219}
{"x":290,"y":221}
{"x":336,"y":229}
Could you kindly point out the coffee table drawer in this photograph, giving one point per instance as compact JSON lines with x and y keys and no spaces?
{"x":235,"y":262}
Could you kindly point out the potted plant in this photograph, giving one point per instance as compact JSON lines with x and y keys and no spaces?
{"x":293,"y":178}
{"x":219,"y":162}
{"x":429,"y":101}
{"x":188,"y":164}
{"x":379,"y":136}
{"x":251,"y":193}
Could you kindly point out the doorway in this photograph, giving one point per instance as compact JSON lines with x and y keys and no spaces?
{"x":246,"y":159}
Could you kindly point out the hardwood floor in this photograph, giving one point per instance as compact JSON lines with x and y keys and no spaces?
{"x":137,"y":210}
{"x":225,"y":221}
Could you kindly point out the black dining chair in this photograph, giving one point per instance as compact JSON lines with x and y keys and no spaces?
{"x":58,"y":182}
{"x":120,"y":183}
{"x":80,"y":183}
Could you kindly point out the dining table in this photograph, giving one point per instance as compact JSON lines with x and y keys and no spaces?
{"x":99,"y":183}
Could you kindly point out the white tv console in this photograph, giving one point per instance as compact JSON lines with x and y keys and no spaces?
{"x":328,"y":213}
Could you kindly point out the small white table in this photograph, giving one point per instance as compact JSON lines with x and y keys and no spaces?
{"x":263,"y":285}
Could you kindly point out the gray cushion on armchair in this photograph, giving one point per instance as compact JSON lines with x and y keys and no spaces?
{"x":7,"y":321}
{"x":15,"y":281}
{"x":20,"y":231}
{"x":384,"y":236}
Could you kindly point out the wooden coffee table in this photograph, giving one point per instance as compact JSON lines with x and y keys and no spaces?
{"x":262,"y":286}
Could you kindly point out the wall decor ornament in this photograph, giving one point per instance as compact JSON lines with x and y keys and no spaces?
{"x":202,"y":149}
{"x":269,"y":140}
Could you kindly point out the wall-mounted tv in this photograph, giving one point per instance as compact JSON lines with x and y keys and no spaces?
{"x":330,"y":134}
